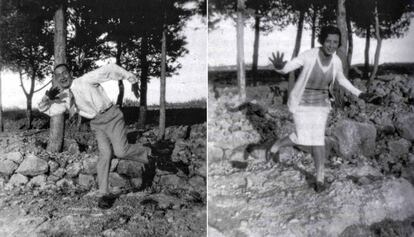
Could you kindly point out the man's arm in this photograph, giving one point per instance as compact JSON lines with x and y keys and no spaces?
{"x":108,"y":72}
{"x":56,"y":105}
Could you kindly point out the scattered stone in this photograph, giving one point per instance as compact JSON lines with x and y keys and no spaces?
{"x":130,"y":169}
{"x":176,"y":133}
{"x":171,"y":181}
{"x":7,"y":167}
{"x":39,"y":181}
{"x":116,"y":180}
{"x":33,"y":166}
{"x":73,"y":169}
{"x":215,"y":153}
{"x":136,"y":182}
{"x":197,"y":182}
{"x":72,"y":146}
{"x":86,"y":180}
{"x":60,"y":172}
{"x":65,"y":183}
{"x":405,"y":125}
{"x":114,"y":164}
{"x":399,"y":147}
{"x":53,"y":165}
{"x":181,"y":152}
{"x":89,"y":165}
{"x":18,"y":179}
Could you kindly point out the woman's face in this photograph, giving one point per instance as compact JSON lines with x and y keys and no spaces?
{"x":330,"y":45}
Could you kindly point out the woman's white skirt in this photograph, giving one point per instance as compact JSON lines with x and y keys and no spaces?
{"x":310,"y":124}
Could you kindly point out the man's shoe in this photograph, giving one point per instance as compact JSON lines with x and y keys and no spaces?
{"x":107,"y":201}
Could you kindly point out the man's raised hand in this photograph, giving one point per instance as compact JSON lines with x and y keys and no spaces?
{"x":277,"y":60}
{"x":52,"y":93}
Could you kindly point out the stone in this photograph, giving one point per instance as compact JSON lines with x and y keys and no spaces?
{"x":86,"y":180}
{"x":60,"y":172}
{"x":130,"y":169}
{"x":65,"y":183}
{"x":16,"y":157}
{"x":384,"y":123}
{"x":53,"y":165}
{"x":355,"y":138}
{"x":18,"y":179}
{"x":181,"y":152}
{"x":72,"y":146}
{"x":171,"y":181}
{"x":399,"y":147}
{"x":33,"y":166}
{"x":73,"y":169}
{"x":197,"y":182}
{"x":202,"y":170}
{"x":53,"y":178}
{"x":39,"y":181}
{"x":215,"y":154}
{"x":176,"y":133}
{"x":198,"y":130}
{"x":136,"y":182}
{"x":116,"y":180}
{"x":404,"y":124}
{"x":114,"y":164}
{"x":7,"y":167}
{"x":89,"y":165}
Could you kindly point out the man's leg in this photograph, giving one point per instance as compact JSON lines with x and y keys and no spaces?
{"x":104,"y":162}
{"x":117,"y":133}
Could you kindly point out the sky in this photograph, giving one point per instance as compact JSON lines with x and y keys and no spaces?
{"x":189,"y":84}
{"x":222,"y":46}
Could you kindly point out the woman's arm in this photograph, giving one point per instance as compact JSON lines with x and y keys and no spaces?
{"x":284,"y":67}
{"x":344,"y":82}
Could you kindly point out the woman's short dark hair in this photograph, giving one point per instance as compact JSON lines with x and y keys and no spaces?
{"x":329,"y":30}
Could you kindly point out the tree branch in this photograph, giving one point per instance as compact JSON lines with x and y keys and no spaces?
{"x":43,"y":86}
{"x":21,"y":83}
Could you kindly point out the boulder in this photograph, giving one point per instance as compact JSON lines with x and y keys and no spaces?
{"x":86,"y":180}
{"x":176,"y":133}
{"x":355,"y":138}
{"x":399,"y":147}
{"x":18,"y":179}
{"x":215,"y":154}
{"x":33,"y":166}
{"x":16,"y":157}
{"x":171,"y":180}
{"x":197,"y":182}
{"x":60,"y":172}
{"x":72,"y":146}
{"x":53,"y":165}
{"x":65,"y":183}
{"x":7,"y":167}
{"x":404,"y":123}
{"x":136,"y":183}
{"x":181,"y":152}
{"x":130,"y":169}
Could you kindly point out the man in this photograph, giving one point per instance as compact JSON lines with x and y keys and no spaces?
{"x":86,"y":96}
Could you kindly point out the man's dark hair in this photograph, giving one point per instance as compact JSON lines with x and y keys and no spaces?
{"x":329,"y":30}
{"x":62,"y":65}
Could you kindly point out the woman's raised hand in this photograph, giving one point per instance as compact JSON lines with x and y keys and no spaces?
{"x":277,"y":60}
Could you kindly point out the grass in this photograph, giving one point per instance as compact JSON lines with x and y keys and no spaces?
{"x":198,"y":103}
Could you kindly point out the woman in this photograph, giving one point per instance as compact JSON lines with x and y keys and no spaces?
{"x":309,"y":99}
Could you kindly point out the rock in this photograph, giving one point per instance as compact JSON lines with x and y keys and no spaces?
{"x":198,"y":130}
{"x":114,"y":164}
{"x":39,"y":181}
{"x":181,"y":152}
{"x":53,"y":165}
{"x":86,"y":180}
{"x":355,"y":138}
{"x":116,"y":180}
{"x":130,"y":169}
{"x":399,"y":147}
{"x":171,"y":181}
{"x":197,"y":182}
{"x":73,"y":169}
{"x":33,"y":166}
{"x":136,"y":183}
{"x":89,"y":165}
{"x":18,"y":179}
{"x":176,"y":133}
{"x":60,"y":172}
{"x":65,"y":183}
{"x":405,"y":125}
{"x":7,"y":167}
{"x":53,"y":178}
{"x":286,"y":154}
{"x":16,"y":157}
{"x":384,"y":123}
{"x":72,"y":146}
{"x":202,"y":170}
{"x":215,"y":154}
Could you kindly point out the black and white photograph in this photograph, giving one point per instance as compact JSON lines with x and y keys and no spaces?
{"x":103,"y":109}
{"x":310,"y":118}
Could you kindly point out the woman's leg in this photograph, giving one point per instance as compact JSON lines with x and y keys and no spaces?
{"x":318,"y":154}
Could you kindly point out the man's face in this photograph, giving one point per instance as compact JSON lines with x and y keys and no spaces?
{"x":63,"y":77}
{"x":331,"y":44}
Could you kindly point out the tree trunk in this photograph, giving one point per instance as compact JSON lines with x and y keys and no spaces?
{"x":57,"y":122}
{"x":342,"y":51}
{"x":161,"y":134}
{"x":29,"y":114}
{"x":120,"y":98}
{"x":378,"y":48}
{"x":144,"y":82}
{"x":313,"y":36}
{"x":296,"y":50}
{"x":1,"y":101}
{"x":241,"y":73}
{"x":350,"y":40}
{"x":367,"y":45}
{"x":256,"y":47}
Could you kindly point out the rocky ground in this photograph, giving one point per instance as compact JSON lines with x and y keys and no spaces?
{"x":370,"y":168}
{"x":48,"y":194}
